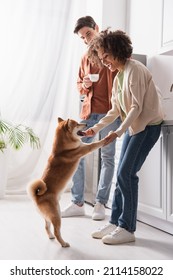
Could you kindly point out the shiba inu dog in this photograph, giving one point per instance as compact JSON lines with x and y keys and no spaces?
{"x":62,"y":163}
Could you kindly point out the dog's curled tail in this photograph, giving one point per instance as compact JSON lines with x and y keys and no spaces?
{"x":37,"y":188}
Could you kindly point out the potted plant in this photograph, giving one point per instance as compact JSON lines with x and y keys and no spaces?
{"x":14,"y":136}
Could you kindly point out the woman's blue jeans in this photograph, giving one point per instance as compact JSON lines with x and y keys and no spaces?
{"x":133,"y":154}
{"x":107,"y":164}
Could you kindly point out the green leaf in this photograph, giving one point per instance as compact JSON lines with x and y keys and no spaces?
{"x":17,"y":135}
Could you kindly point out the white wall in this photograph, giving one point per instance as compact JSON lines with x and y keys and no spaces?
{"x":114,"y":14}
{"x":108,"y":13}
{"x":144,"y":26}
{"x":94,"y":9}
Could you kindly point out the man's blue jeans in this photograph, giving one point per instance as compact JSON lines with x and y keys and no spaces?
{"x":133,"y":154}
{"x":107,"y":164}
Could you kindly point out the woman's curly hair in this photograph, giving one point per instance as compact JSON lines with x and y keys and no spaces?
{"x":116,"y":43}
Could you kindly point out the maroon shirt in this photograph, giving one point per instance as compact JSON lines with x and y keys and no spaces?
{"x":98,"y":96}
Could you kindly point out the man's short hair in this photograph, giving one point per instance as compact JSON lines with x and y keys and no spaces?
{"x":86,"y":21}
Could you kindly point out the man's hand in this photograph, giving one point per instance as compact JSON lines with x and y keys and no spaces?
{"x":87,"y":82}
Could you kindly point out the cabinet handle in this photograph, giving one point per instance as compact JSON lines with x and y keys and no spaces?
{"x":171,"y":88}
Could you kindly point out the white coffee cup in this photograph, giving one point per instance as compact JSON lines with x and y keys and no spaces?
{"x":93,"y":77}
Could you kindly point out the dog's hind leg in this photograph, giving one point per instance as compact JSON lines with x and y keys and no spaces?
{"x":57,"y":224}
{"x":47,"y":227}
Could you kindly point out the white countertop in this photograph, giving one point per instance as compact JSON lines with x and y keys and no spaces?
{"x":167,"y":122}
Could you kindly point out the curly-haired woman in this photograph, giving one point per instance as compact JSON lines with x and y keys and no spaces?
{"x":135,"y":99}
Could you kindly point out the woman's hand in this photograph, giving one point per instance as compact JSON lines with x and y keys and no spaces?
{"x":110,"y":137}
{"x":89,"y":133}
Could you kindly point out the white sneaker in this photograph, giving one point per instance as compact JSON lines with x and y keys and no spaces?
{"x":73,"y":210}
{"x":104,"y":230}
{"x":98,"y":212}
{"x":118,"y":236}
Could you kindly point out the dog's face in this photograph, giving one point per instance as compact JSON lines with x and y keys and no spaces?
{"x":72,"y":127}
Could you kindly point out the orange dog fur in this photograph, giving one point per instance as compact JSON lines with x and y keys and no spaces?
{"x":62,"y":163}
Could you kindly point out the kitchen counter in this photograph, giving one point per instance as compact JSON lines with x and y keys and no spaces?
{"x":167,"y":122}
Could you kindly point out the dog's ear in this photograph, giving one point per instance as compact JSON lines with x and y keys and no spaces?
{"x":60,"y":120}
{"x":69,"y":122}
{"x":69,"y":125}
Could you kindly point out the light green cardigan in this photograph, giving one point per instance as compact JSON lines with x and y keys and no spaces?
{"x":141,"y":100}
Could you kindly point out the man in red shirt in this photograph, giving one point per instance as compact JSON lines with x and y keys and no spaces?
{"x":96,"y":102}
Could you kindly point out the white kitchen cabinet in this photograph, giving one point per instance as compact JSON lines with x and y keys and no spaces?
{"x":166,"y":30}
{"x":170,"y":175}
{"x":161,"y":67}
{"x":155,"y":205}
